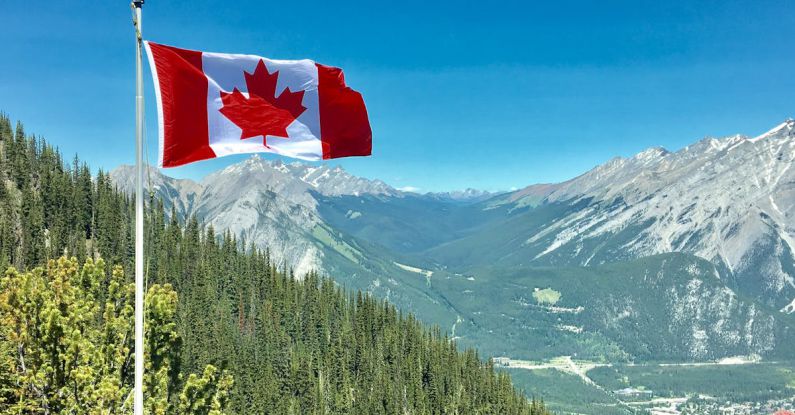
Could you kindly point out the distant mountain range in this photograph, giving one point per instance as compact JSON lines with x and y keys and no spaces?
{"x":684,"y":255}
{"x":730,"y":201}
{"x":468,"y":195}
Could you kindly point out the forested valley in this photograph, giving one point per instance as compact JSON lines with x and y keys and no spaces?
{"x":228,"y":330}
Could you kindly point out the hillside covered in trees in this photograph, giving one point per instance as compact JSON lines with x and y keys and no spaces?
{"x":229,"y":331}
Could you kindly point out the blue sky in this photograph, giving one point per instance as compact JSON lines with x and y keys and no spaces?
{"x":490,"y":95}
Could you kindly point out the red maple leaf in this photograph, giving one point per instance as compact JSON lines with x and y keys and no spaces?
{"x":262,"y":112}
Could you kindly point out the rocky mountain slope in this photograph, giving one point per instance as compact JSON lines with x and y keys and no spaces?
{"x":278,"y":206}
{"x":472,"y":261}
{"x":728,"y":200}
{"x":269,"y":203}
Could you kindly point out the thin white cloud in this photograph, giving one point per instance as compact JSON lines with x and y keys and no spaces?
{"x":410,"y":189}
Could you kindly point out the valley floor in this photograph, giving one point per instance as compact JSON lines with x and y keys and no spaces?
{"x":738,"y":385}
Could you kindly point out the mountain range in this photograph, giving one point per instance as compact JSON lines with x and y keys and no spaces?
{"x":730,"y":201}
{"x":662,"y":256}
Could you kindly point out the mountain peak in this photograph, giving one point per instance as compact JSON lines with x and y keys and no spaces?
{"x":651,"y":153}
{"x":320,"y":177}
{"x":785,"y":129}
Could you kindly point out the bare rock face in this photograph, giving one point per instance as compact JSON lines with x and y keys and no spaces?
{"x":268,"y":203}
{"x":729,"y":200}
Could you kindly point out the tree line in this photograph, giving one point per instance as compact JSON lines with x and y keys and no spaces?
{"x":228,"y":331}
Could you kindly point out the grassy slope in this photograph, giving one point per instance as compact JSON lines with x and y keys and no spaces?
{"x":566,"y":393}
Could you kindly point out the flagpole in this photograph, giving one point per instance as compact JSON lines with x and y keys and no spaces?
{"x":138,"y":392}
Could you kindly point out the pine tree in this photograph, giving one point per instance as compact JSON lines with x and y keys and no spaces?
{"x":66,"y":350}
{"x":216,"y":307}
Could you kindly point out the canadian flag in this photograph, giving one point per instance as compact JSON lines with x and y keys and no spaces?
{"x":215,"y":104}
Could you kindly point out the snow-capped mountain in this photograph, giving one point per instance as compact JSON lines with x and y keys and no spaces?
{"x":595,"y":239}
{"x":334,"y":181}
{"x":269,"y":203}
{"x":729,"y":200}
{"x":468,"y":195}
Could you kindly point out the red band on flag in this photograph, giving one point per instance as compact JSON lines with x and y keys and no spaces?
{"x":344,"y":127}
{"x":183,"y":99}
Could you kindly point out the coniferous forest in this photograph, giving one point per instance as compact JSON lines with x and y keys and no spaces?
{"x":228,"y":331}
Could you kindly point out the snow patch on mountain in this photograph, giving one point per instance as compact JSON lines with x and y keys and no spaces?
{"x":784,"y":128}
{"x":789,"y":308}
